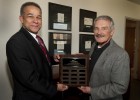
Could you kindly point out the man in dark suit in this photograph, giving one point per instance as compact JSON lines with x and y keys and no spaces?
{"x":109,"y":64}
{"x":30,"y":67}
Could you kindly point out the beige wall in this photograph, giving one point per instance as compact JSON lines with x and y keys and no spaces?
{"x":9,"y":24}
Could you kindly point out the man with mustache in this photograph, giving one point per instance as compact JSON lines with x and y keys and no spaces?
{"x":109,"y":65}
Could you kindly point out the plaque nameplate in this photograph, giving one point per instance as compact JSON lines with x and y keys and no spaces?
{"x":74,"y":70}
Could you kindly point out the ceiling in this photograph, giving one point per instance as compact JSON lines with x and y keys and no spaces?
{"x":135,"y":1}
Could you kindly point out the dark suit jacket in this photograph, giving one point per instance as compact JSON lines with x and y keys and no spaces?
{"x":32,"y":74}
{"x":111,"y":73}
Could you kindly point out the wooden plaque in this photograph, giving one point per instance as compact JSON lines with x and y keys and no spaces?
{"x":74,"y":70}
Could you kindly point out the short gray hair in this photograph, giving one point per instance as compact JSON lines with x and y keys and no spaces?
{"x":105,"y":17}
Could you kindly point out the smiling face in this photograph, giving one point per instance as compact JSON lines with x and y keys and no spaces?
{"x":31,"y":19}
{"x":103,"y":31}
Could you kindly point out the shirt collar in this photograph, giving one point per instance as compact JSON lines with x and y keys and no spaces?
{"x":33,"y":35}
{"x":105,"y":46}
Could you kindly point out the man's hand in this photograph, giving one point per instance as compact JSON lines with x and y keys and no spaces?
{"x":61,"y":87}
{"x":56,"y":57}
{"x":85,"y":89}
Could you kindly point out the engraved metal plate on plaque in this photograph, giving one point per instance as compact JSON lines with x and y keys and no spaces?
{"x":74,"y":70}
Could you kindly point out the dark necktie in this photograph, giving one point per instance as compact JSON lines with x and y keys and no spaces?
{"x":42,"y":46}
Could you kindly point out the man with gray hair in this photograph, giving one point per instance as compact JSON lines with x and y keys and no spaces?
{"x":109,"y":64}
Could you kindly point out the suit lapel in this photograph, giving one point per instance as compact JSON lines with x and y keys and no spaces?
{"x":104,"y":55}
{"x":33,"y":42}
{"x":101,"y":60}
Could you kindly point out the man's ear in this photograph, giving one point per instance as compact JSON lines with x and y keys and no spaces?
{"x":21,"y":19}
{"x":112,"y":32}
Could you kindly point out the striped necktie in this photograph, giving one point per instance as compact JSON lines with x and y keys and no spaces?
{"x":42,"y":46}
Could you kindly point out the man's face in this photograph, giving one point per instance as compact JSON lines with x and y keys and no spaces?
{"x":102,"y":31}
{"x":31,"y":19}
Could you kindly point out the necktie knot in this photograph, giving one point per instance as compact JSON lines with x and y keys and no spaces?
{"x":40,"y":41}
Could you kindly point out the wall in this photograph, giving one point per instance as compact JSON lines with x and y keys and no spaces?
{"x":9,"y":24}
